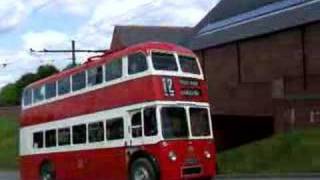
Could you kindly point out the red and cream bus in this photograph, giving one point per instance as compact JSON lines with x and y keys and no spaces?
{"x":140,"y":113}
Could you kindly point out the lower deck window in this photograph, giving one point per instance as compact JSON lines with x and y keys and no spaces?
{"x":114,"y":129}
{"x":79,"y":135}
{"x":64,"y":136}
{"x":38,"y":140}
{"x":51,"y":140}
{"x":96,"y":132}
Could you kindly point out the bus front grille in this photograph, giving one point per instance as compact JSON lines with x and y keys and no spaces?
{"x":187,"y":171}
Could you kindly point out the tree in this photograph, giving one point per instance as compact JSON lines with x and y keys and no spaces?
{"x":11,"y":93}
{"x":70,"y":66}
{"x":45,"y":71}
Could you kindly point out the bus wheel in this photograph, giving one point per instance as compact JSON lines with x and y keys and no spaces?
{"x":47,"y":171}
{"x":142,"y":169}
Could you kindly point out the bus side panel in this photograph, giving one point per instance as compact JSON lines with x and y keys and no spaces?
{"x":104,"y":164}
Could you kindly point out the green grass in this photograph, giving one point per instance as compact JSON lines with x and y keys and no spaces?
{"x":293,"y":152}
{"x":8,"y":143}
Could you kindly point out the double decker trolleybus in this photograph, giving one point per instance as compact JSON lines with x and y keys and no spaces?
{"x":140,"y":113}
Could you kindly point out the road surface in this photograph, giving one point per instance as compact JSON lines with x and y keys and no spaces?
{"x":9,"y":175}
{"x":15,"y":176}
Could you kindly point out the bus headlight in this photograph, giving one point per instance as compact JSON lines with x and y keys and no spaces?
{"x":172,"y":156}
{"x":207,"y":154}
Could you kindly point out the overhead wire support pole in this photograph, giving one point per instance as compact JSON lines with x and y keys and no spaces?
{"x":73,"y":51}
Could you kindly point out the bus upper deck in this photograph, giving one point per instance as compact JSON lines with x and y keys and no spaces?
{"x":145,"y":72}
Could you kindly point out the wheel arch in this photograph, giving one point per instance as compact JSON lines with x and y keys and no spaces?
{"x":44,"y":162}
{"x":144,"y":154}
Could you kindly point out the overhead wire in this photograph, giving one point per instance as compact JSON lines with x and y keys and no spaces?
{"x":95,"y":25}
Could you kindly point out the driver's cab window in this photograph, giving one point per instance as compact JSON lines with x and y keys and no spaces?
{"x":136,"y":125}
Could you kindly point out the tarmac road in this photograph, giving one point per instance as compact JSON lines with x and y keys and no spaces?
{"x":15,"y":176}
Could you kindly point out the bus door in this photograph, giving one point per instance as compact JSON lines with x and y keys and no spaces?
{"x":135,"y":129}
{"x":143,"y":128}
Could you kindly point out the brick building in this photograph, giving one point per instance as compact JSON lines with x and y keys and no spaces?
{"x":262,"y":62}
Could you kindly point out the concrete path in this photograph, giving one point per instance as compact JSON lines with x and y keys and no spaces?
{"x":292,"y":176}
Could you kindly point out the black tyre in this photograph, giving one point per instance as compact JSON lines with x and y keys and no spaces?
{"x":142,"y":169}
{"x":47,"y":171}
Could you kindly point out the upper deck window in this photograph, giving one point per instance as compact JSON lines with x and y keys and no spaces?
{"x":189,"y":64}
{"x":164,"y":61}
{"x":113,"y":70}
{"x":95,"y":76}
{"x":38,"y":94}
{"x":64,"y":86}
{"x":27,"y":97}
{"x":79,"y":81}
{"x":137,"y":63}
{"x":51,"y":90}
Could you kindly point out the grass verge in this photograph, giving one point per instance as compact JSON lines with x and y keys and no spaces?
{"x":293,"y":152}
{"x":8,"y":143}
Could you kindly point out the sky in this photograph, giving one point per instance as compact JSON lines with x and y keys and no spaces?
{"x":52,"y":24}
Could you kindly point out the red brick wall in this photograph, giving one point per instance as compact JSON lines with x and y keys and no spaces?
{"x":13,"y":112}
{"x":296,"y":114}
{"x":270,"y":57}
{"x":312,"y":49}
{"x":291,"y":56}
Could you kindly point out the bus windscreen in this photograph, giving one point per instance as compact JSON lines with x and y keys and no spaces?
{"x":174,"y":123}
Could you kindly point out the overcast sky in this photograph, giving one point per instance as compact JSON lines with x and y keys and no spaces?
{"x":52,"y":24}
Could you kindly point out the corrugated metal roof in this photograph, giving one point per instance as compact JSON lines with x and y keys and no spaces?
{"x":272,"y":17}
{"x":230,"y":8}
{"x":125,"y":36}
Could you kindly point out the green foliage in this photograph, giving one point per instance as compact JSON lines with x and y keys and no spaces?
{"x":45,"y":71}
{"x":70,"y":66}
{"x":293,"y":152}
{"x":8,"y":143}
{"x":11,"y":94}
